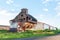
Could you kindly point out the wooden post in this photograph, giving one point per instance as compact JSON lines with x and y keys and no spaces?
{"x":23,"y":28}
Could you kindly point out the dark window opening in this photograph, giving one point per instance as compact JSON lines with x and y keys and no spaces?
{"x":24,"y":18}
{"x":29,"y":18}
{"x":20,"y":20}
{"x":21,"y":15}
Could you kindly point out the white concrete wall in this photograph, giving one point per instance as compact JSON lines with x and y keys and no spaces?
{"x":13,"y":24}
{"x":42,"y":26}
{"x":38,"y":26}
{"x":46,"y":26}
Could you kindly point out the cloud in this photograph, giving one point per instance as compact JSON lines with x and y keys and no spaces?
{"x":5,"y":16}
{"x":4,"y":12}
{"x":4,"y":22}
{"x":57,"y":9}
{"x":12,"y":9}
{"x":45,"y":9}
{"x":41,"y":15}
{"x":57,"y":0}
{"x":9,"y":1}
{"x":46,"y":1}
{"x":58,"y":14}
{"x":58,"y":3}
{"x":53,"y":21}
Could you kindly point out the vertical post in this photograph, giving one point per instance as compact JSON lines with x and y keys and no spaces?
{"x":23,"y":28}
{"x":43,"y":26}
{"x":49,"y":27}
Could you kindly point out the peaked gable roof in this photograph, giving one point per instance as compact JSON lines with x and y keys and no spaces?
{"x":33,"y":19}
{"x":16,"y":18}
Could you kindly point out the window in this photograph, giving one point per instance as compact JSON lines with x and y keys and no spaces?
{"x":29,"y":18}
{"x":21,"y":15}
{"x":24,"y":18}
{"x":20,"y":20}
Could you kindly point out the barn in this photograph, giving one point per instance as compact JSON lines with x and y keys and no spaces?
{"x":24,"y":21}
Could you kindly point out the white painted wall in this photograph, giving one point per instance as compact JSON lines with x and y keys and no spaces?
{"x":46,"y":26}
{"x":13,"y":25}
{"x":42,"y":26}
{"x":38,"y":26}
